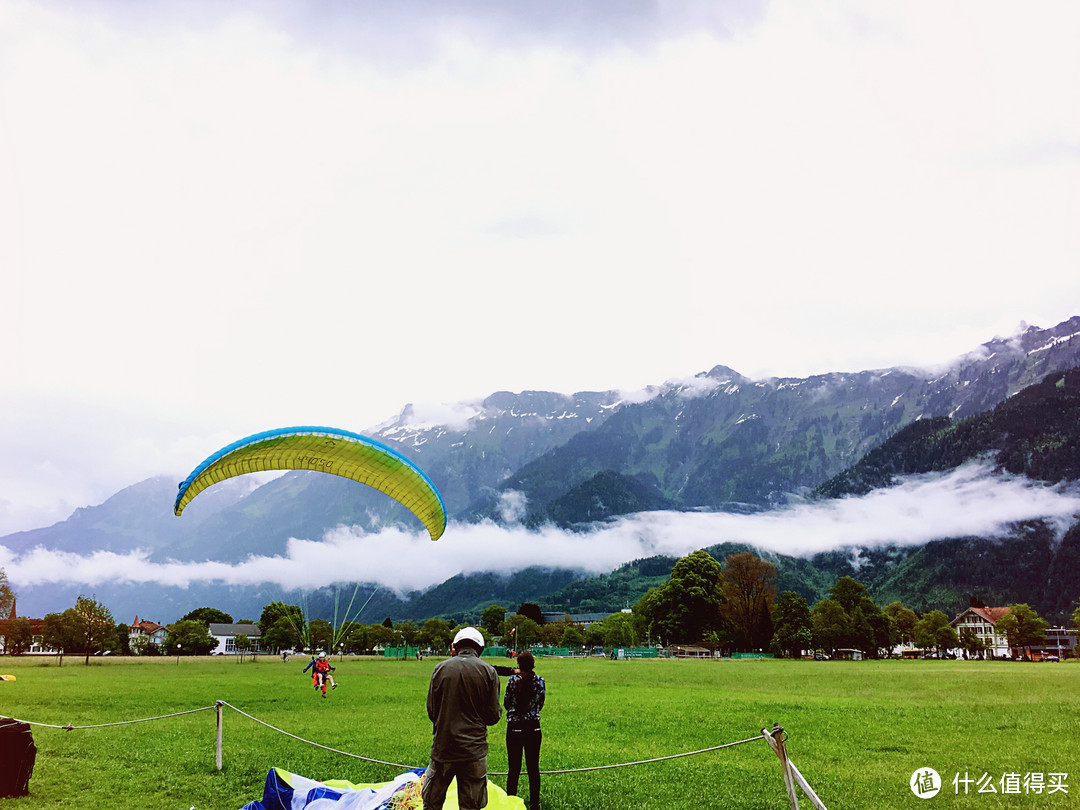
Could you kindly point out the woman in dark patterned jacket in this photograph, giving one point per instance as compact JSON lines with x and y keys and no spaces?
{"x":525,"y":693}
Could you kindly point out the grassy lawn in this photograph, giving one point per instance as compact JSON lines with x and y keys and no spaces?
{"x":856,"y":730}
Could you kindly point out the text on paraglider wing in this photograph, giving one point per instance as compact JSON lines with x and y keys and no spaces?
{"x":314,"y":462}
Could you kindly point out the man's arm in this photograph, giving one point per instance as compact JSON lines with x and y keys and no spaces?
{"x":431,"y":699}
{"x":493,"y":710}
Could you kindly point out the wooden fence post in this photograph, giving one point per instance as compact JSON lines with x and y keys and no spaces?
{"x":775,"y":738}
{"x":219,"y":704}
{"x":792,"y":776}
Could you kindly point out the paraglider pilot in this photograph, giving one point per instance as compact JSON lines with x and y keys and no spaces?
{"x":321,"y":673}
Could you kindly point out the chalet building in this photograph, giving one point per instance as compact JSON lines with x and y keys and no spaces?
{"x":226,"y":638}
{"x":1060,"y":641}
{"x":146,"y":633}
{"x":982,"y":620}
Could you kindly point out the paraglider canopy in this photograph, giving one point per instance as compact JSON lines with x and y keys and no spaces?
{"x":328,"y":450}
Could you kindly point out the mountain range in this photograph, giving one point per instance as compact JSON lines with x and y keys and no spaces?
{"x":716,"y":442}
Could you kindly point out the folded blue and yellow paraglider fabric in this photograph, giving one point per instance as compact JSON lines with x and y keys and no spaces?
{"x":290,"y":791}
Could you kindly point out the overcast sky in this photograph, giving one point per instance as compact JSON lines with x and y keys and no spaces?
{"x":219,"y":218}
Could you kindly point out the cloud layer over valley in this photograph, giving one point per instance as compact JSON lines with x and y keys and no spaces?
{"x":969,"y":501}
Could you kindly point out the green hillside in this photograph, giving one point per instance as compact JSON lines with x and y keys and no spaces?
{"x":1036,"y":433}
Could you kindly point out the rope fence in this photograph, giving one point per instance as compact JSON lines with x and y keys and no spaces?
{"x":306,"y":742}
{"x":775,"y":737}
{"x":70,"y":727}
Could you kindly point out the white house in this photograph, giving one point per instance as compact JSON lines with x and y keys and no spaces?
{"x":226,"y":634}
{"x":981,"y":621}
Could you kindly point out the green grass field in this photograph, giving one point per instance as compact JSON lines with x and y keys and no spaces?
{"x":856,"y":730}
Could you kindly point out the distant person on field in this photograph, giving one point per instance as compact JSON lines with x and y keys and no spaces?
{"x":462,"y":701}
{"x":525,"y":693}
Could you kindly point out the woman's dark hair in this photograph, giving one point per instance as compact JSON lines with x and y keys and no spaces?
{"x":526,"y":680}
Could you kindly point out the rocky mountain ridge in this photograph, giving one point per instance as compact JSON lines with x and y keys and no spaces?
{"x":718,"y":441}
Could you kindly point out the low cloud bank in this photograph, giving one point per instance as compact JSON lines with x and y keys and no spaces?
{"x":966,"y":501}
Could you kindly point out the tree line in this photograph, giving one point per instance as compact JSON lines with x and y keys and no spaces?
{"x":732,"y":606}
{"x":735,"y":606}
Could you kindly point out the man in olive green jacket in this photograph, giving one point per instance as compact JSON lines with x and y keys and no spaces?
{"x":462,"y":701}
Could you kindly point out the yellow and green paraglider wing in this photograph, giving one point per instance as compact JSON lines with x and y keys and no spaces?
{"x":327,"y":450}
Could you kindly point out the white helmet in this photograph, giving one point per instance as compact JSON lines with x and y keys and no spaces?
{"x":469,"y":634}
{"x":322,"y":655}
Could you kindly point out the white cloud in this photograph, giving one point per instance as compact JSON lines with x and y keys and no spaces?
{"x":967,"y":501}
{"x":512,"y":507}
{"x":452,"y":415}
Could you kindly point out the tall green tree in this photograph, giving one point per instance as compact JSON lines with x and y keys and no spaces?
{"x":436,"y":633}
{"x":353,"y":635}
{"x":933,"y":630}
{"x":791,"y":625}
{"x":243,"y":644}
{"x":18,"y":635}
{"x":619,"y":631}
{"x":749,"y":587}
{"x":520,"y":632}
{"x":409,"y":632}
{"x":572,"y":637}
{"x":594,"y":635}
{"x":379,"y":635}
{"x":872,"y":629}
{"x":276,"y":610}
{"x":191,"y":636}
{"x":904,"y":620}
{"x":94,"y":626}
{"x":492,"y":620}
{"x":552,"y":632}
{"x":686,"y":607}
{"x":970,"y":643}
{"x":830,"y":625}
{"x":532,"y":611}
{"x":320,"y":634}
{"x":123,"y":638}
{"x":848,"y":592}
{"x":1023,"y":627}
{"x":282,"y":635}
{"x":7,"y":596}
{"x":58,"y":633}
{"x":206,"y":615}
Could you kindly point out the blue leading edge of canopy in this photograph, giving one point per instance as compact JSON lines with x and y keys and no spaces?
{"x":309,"y":431}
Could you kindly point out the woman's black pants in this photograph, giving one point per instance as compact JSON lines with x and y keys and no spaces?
{"x":527,"y":741}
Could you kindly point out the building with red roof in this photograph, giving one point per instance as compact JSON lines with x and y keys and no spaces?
{"x":144,"y":634}
{"x":981,"y":621}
